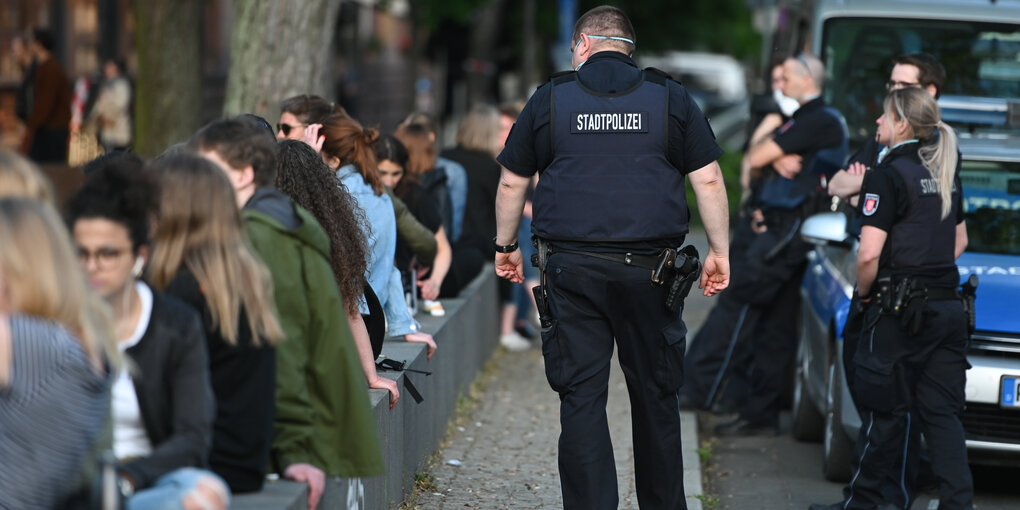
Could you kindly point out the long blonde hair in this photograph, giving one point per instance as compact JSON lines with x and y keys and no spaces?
{"x":200,"y":227}
{"x":20,"y":177}
{"x":44,"y":279}
{"x":921,"y":112}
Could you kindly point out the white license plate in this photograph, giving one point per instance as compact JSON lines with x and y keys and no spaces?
{"x":1009,"y":395}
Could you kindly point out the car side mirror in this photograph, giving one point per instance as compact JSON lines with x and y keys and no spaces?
{"x":825,"y":228}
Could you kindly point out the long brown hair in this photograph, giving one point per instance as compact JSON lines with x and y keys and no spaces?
{"x":421,"y":152}
{"x":43,"y":278}
{"x":351,"y":143}
{"x":302,"y":175}
{"x":200,"y":228}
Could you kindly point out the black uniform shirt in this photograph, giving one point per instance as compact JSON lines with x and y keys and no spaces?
{"x":809,"y":130}
{"x":692,"y":143}
{"x":885,"y":187}
{"x":888,"y":187}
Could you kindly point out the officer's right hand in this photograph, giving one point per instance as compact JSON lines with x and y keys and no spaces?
{"x":715,"y":274}
{"x":510,"y":266}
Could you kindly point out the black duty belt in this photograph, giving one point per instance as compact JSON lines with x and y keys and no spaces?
{"x":630,"y":259}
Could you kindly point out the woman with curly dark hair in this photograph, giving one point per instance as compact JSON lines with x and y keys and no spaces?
{"x":304,"y":177}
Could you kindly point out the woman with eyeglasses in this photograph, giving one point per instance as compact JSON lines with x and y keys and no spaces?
{"x":56,"y":352}
{"x":162,"y":407}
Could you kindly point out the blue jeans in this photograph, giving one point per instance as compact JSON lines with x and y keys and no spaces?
{"x":170,"y":489}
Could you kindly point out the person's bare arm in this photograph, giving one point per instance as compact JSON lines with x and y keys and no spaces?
{"x":870,"y":249}
{"x":509,"y":204}
{"x":764,"y":153}
{"x":440,"y":267}
{"x":364,"y":345}
{"x":761,"y":133}
{"x":710,"y":192}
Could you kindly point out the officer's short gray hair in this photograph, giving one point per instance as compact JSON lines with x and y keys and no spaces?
{"x":606,"y":20}
{"x":812,"y":66}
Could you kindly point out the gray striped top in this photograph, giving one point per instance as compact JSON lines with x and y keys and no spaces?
{"x":50,"y":413}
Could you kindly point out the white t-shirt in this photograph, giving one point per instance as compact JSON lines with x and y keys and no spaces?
{"x":129,"y":437}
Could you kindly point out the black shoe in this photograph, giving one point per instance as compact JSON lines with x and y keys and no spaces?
{"x":742,"y":427}
{"x":834,"y":506}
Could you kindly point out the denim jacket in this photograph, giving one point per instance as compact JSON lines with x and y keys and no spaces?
{"x":456,"y":184}
{"x":382,"y":242}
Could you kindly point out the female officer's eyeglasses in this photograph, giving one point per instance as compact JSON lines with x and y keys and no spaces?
{"x":285,"y":128}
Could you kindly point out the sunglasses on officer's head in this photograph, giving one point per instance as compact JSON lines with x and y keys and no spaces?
{"x":285,"y":128}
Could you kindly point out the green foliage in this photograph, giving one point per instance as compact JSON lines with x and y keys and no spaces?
{"x":705,"y":453}
{"x":718,"y":26}
{"x":431,"y":13}
{"x":708,"y":502}
{"x":425,"y":482}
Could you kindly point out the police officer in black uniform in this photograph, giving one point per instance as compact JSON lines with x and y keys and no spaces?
{"x":911,"y":360}
{"x":759,"y":310}
{"x":613,"y":144}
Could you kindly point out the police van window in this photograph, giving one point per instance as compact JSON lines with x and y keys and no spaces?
{"x":981,"y":59}
{"x":991,"y":201}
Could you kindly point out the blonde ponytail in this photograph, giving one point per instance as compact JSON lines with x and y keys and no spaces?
{"x":940,"y":159}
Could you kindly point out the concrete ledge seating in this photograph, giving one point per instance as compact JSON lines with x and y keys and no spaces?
{"x":411,"y":432}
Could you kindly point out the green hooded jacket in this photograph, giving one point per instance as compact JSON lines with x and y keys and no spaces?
{"x":323,"y":415}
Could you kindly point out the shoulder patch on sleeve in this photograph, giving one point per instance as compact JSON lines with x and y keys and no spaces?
{"x":870,"y":204}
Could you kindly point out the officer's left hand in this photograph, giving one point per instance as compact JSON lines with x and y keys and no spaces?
{"x":510,"y":266}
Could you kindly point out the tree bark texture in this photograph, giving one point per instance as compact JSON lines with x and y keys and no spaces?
{"x":168,"y":91}
{"x":279,"y":49}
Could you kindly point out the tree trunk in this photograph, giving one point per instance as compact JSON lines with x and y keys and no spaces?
{"x":168,"y":95}
{"x":279,"y":49}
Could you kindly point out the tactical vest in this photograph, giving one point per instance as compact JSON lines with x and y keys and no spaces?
{"x":610,"y":178}
{"x":779,"y":193}
{"x":920,"y":240}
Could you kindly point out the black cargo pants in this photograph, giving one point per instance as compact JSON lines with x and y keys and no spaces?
{"x":593,"y":303}
{"x":903,"y":382}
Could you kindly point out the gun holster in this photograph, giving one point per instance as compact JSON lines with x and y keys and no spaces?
{"x":686,"y":271}
{"x":539,"y":260}
{"x":968,"y":291}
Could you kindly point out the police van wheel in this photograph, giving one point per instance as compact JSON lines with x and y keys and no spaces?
{"x":808,"y":422}
{"x":838,"y":448}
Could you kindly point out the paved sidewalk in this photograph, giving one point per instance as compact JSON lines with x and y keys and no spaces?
{"x":505,"y":455}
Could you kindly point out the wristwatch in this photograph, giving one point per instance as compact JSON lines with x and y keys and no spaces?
{"x":510,"y":248}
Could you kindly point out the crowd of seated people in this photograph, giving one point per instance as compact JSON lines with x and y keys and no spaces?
{"x":216,"y":312}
